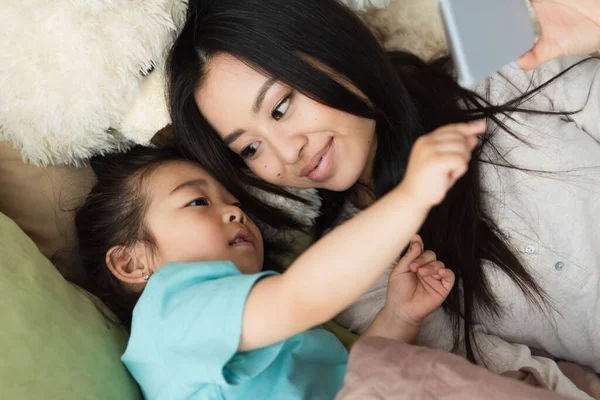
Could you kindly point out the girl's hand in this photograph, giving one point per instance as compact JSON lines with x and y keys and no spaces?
{"x":439,"y":159}
{"x":569,"y":27}
{"x":417,"y":286}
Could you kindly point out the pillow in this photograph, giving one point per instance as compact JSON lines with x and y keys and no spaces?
{"x":56,"y":344}
{"x":40,"y":201}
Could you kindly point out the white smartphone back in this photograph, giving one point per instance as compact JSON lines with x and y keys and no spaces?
{"x":485,"y":35}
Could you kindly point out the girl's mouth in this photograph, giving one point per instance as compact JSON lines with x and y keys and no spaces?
{"x":242,"y":238}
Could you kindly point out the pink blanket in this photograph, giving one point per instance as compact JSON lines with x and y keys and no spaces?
{"x":584,"y":378}
{"x":386,"y":369}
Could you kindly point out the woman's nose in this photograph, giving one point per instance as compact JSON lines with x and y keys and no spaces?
{"x":289,"y":148}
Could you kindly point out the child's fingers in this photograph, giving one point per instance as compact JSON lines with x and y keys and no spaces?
{"x":414,"y":250}
{"x":447,"y":277}
{"x":445,"y":273}
{"x":457,"y":173}
{"x":450,"y":136}
{"x":453,"y":160}
{"x":467,"y":131}
{"x":465,"y":128}
{"x":425,"y":258}
{"x":418,"y":240}
{"x":472,"y":142}
{"x":455,"y":142}
{"x":431,"y":269}
{"x":458,"y":146}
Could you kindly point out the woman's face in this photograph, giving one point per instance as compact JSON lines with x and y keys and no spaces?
{"x":283,"y":136}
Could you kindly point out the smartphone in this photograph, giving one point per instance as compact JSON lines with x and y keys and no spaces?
{"x":485,"y":35}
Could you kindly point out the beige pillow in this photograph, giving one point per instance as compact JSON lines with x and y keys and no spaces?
{"x":41,"y":201}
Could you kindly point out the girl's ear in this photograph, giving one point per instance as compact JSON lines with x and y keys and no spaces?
{"x":128,"y":264}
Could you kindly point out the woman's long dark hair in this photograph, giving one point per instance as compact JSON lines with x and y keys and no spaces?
{"x":407,"y":98}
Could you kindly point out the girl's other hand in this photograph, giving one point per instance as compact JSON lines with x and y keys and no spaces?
{"x":418,"y":285}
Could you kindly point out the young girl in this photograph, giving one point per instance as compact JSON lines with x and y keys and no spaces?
{"x":160,"y":236}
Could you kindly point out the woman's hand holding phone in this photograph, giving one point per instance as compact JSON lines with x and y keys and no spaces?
{"x":569,"y":27}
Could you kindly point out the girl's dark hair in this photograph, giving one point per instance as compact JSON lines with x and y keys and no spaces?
{"x":407,"y":98}
{"x":113,"y":215}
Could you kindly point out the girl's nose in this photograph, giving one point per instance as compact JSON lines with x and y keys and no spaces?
{"x":234,"y":214}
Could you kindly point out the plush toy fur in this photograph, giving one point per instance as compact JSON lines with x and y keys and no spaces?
{"x":411,"y":25}
{"x":72,"y":71}
{"x":72,"y":81}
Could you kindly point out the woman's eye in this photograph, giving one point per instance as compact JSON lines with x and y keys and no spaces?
{"x":281,"y":108}
{"x":250,"y":150}
{"x":200,"y":201}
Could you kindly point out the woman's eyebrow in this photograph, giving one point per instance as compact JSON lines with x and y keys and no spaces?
{"x":232,"y":137}
{"x":261,"y":95}
{"x":258,"y":102}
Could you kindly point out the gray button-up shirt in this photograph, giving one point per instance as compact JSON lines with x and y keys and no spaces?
{"x":552,"y":221}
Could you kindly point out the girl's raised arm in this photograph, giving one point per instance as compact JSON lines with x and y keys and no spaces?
{"x":345,"y":264}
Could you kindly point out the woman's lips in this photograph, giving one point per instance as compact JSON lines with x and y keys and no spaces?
{"x":324,"y":167}
{"x":315,"y":160}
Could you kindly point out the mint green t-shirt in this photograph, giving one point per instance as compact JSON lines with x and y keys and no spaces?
{"x":186,"y":330}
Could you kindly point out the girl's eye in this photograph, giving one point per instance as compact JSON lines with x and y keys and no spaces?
{"x":200,"y":201}
{"x":281,"y":108}
{"x":250,"y":150}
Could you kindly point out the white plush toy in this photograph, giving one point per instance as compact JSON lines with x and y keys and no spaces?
{"x":70,"y":71}
{"x":73,"y":74}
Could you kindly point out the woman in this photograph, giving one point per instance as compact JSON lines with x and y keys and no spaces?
{"x":303,"y":95}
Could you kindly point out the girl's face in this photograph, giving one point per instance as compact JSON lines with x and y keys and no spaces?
{"x":193,"y":218}
{"x":285,"y":137}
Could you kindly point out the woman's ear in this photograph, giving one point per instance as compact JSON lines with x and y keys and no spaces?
{"x":127,"y":264}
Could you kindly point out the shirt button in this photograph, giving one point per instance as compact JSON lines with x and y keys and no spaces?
{"x":504,"y":234}
{"x":559,"y":266}
{"x":530,"y":249}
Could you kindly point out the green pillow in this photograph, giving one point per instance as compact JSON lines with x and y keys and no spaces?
{"x":54,"y":342}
